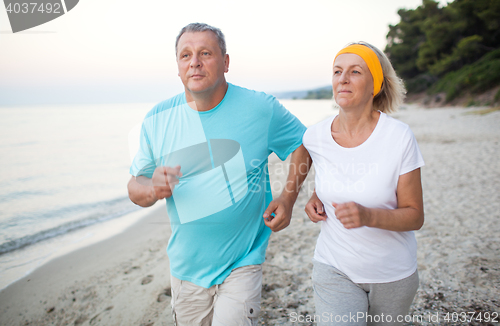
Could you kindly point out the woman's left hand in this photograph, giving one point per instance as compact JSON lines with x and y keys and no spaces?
{"x":352,"y":215}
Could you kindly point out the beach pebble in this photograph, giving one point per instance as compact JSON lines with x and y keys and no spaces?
{"x":162,"y":297}
{"x":80,"y":320}
{"x":131,"y":269}
{"x":166,"y":294}
{"x":148,"y":279}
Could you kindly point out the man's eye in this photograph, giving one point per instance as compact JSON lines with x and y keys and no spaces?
{"x":205,"y":53}
{"x":337,"y":72}
{"x":355,"y":72}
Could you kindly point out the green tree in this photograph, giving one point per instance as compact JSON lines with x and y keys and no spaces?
{"x":442,"y":31}
{"x":404,"y":40}
{"x":466,"y":30}
{"x":431,"y":41}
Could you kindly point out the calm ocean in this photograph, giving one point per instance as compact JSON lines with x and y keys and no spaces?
{"x":65,"y":170}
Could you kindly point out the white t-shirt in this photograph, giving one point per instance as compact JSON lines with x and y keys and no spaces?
{"x":368,"y":175}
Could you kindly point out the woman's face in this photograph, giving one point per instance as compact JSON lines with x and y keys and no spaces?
{"x":352,"y":81}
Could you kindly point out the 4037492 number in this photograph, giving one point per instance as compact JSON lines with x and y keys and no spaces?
{"x":32,"y":7}
{"x":468,"y":317}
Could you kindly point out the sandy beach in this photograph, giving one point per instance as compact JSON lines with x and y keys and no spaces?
{"x":124,"y":280}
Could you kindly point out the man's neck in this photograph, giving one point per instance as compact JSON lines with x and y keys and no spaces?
{"x":205,"y":101}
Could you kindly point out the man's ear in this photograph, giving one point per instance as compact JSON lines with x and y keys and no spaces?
{"x":226,"y":62}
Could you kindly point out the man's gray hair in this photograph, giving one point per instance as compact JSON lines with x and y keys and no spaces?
{"x":201,"y":27}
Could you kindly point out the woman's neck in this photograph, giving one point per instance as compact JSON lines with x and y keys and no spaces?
{"x":354,"y":121}
{"x":351,"y":127}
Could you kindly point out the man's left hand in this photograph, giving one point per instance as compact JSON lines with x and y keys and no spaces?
{"x":282,"y":209}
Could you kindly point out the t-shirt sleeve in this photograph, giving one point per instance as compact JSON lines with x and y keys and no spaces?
{"x":412,"y":158}
{"x":285,"y":131}
{"x":143,"y":163}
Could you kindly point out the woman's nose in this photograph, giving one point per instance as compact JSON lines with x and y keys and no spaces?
{"x":343,"y":78}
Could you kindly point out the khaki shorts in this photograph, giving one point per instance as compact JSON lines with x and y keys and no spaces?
{"x":234,"y":302}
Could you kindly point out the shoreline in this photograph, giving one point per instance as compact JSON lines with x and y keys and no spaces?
{"x":32,"y":257}
{"x":76,"y":285}
{"x":125,"y":279}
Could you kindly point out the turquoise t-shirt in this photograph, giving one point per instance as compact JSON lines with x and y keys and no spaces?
{"x":216,"y":209}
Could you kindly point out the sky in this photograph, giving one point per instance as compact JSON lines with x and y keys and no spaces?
{"x":116,"y":51}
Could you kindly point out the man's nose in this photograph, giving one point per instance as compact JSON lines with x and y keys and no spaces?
{"x":195,"y":61}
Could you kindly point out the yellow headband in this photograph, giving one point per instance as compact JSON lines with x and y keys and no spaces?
{"x":371,"y":60}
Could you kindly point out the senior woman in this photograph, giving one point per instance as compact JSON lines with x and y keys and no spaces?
{"x":368,"y":194}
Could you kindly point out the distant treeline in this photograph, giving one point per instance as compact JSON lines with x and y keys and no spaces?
{"x":320,"y":93}
{"x":453,"y":49}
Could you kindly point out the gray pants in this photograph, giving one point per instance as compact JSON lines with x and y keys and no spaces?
{"x":340,"y":301}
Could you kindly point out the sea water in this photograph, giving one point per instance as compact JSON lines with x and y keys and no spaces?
{"x":64,"y":175}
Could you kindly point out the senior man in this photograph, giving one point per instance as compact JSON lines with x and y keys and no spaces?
{"x":206,"y":152}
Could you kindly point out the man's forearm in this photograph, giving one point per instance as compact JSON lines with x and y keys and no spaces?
{"x":141,"y":191}
{"x":282,"y":207}
{"x":300,"y":163}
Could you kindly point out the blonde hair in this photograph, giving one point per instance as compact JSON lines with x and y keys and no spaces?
{"x":393,"y":91}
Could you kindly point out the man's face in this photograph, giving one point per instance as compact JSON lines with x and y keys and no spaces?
{"x":200,"y":62}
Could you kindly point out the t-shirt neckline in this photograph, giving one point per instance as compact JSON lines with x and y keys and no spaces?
{"x":367,"y":141}
{"x":211,"y":111}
